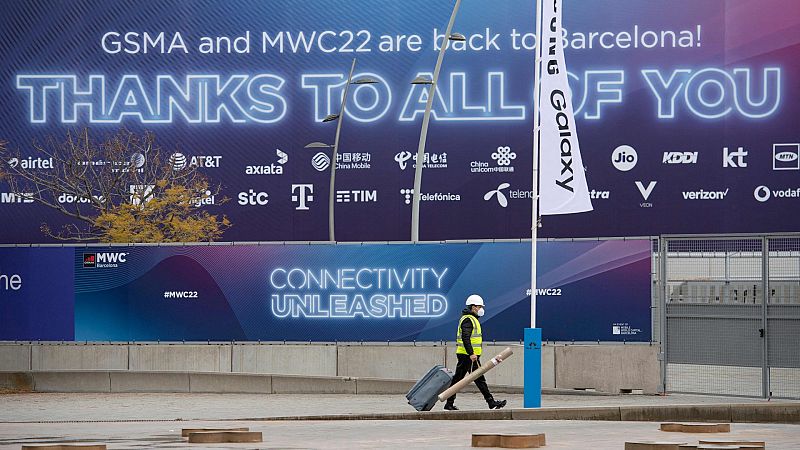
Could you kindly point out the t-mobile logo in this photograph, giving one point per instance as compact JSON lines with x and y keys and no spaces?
{"x":304,"y":194}
{"x":728,"y":158}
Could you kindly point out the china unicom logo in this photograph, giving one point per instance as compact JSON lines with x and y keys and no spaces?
{"x":504,"y":156}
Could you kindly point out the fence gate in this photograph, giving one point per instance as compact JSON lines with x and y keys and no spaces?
{"x":720,"y":335}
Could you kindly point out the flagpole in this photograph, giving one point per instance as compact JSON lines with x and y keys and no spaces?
{"x":537,"y":77}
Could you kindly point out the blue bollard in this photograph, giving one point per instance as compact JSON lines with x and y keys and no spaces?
{"x":532,"y":382}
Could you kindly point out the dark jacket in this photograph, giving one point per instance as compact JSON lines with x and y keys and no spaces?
{"x":466,"y":329}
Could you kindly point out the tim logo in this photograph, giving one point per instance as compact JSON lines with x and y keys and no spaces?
{"x":104,"y":260}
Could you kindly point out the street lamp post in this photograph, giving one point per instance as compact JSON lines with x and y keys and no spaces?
{"x":426,"y":119}
{"x":340,"y":118}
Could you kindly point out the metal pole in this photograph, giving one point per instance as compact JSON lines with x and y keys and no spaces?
{"x":424,"y":134}
{"x":663,"y":247}
{"x":537,"y":84}
{"x":331,"y":227}
{"x":765,"y":381}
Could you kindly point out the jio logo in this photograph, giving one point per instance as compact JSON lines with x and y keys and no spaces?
{"x":624,"y":158}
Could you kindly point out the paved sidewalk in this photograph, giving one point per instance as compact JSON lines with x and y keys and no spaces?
{"x":38,"y":407}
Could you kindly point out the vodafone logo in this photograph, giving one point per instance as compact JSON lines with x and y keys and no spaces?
{"x":762,"y":193}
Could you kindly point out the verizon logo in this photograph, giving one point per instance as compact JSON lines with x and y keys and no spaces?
{"x":705,"y":195}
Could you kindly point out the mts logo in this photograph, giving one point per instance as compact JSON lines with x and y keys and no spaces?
{"x":106,"y":259}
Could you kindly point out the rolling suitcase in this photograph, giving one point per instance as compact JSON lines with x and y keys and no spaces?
{"x":424,"y":394}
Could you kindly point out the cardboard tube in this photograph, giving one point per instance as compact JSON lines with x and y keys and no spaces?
{"x":475,"y":374}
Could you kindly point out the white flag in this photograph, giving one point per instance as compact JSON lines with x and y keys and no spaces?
{"x":562,"y":187}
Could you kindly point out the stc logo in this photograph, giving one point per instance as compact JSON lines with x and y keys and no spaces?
{"x":734,"y":159}
{"x":680,"y":158}
{"x":253,"y":198}
{"x":764,"y":193}
{"x":104,"y":260}
{"x":624,"y":158}
{"x":12,"y":282}
{"x":304,"y":195}
{"x":786,"y":157}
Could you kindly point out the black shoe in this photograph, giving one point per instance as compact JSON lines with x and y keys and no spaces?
{"x":494,"y":404}
{"x":450,"y":407}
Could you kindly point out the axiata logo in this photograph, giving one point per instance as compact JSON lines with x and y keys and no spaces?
{"x":705,"y":195}
{"x":728,"y":158}
{"x":104,"y":260}
{"x":763,"y":193}
{"x":624,"y":158}
{"x":786,"y":157}
{"x":271,"y":169}
{"x":303,"y":196}
{"x":12,"y":282}
{"x":252,"y":198}
{"x":680,"y":158}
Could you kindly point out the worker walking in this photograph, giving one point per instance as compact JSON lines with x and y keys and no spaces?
{"x":469,"y":342}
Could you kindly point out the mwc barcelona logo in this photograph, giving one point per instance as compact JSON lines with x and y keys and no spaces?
{"x":104,"y":260}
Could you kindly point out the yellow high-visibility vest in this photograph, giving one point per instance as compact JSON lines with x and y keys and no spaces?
{"x":476,"y":339}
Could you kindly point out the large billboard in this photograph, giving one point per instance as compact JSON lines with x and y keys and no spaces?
{"x":685,"y":109}
{"x":588,"y":291}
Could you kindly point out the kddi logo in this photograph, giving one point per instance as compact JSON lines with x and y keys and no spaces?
{"x":179,"y":161}
{"x":272,"y":169}
{"x":31,"y":163}
{"x":763,"y":193}
{"x":680,"y":158}
{"x":104,"y":260}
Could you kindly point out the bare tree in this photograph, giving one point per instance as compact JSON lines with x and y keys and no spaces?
{"x":123,"y":188}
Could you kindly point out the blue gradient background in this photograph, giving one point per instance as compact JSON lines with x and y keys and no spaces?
{"x":61,"y":36}
{"x":602,"y":283}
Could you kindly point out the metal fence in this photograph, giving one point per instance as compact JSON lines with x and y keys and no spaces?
{"x":719,"y":335}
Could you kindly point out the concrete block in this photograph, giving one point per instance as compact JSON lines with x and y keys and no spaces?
{"x":688,"y":413}
{"x":15,"y":357}
{"x":64,"y":446}
{"x":399,"y":362}
{"x":287,"y":384}
{"x":591,"y":413}
{"x":79,"y":357}
{"x":607,"y":368}
{"x":180,"y":358}
{"x":311,"y":360}
{"x":376,"y":386}
{"x":71,"y":382}
{"x":518,"y":440}
{"x":652,"y":445}
{"x":185,"y":431}
{"x":16,"y":381}
{"x":149,"y":382}
{"x":696,"y":427}
{"x":485,"y":440}
{"x":766,"y":413}
{"x":230,"y":383}
{"x":218,"y":437}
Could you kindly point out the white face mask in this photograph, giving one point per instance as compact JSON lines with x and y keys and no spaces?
{"x":480,"y":312}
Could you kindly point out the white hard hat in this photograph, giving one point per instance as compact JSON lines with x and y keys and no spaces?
{"x":475,"y":299}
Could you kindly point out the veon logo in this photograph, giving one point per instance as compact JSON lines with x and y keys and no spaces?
{"x":624,"y":158}
{"x":705,"y":195}
{"x":10,"y":282}
{"x":786,"y":157}
{"x":271,"y":169}
{"x":430,"y":197}
{"x":104,"y":259}
{"x":304,"y":194}
{"x":356,"y":196}
{"x":763,"y":193}
{"x":432,"y":160}
{"x":16,"y":197}
{"x":31,"y":163}
{"x":502,"y":156}
{"x":253,"y":198}
{"x":734,"y":159}
{"x":321,"y":161}
{"x":680,"y":158}
{"x":645,"y":191}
